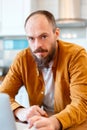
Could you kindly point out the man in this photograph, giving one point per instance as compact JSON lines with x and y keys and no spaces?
{"x":54,"y":74}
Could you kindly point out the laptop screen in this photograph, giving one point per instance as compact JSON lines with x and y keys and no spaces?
{"x":7,"y":121}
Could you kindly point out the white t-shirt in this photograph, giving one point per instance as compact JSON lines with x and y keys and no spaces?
{"x":48,"y":102}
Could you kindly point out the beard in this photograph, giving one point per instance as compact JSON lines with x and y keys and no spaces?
{"x":43,"y":62}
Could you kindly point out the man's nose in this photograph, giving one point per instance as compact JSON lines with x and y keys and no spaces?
{"x":38,"y":43}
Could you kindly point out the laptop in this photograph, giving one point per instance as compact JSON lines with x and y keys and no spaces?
{"x":7,"y":121}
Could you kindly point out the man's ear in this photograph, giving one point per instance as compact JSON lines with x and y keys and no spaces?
{"x":57,"y":32}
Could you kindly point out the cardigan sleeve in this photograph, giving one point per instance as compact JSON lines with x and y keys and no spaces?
{"x":12,"y":82}
{"x":76,"y":112}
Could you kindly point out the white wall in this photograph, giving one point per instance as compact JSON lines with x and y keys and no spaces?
{"x":12,"y":16}
{"x":83,"y":8}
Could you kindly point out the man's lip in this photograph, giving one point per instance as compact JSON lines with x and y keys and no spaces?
{"x":40,"y":52}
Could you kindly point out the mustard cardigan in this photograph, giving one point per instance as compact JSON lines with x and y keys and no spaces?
{"x":70,"y":76}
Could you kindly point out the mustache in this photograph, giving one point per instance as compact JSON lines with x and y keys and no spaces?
{"x":40,"y":50}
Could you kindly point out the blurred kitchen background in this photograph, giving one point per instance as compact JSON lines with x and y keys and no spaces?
{"x":71,"y":18}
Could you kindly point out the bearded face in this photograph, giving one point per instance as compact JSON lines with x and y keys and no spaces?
{"x":42,"y":39}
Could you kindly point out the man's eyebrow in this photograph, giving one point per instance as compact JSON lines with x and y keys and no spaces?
{"x":29,"y":36}
{"x":38,"y":35}
{"x":43,"y":34}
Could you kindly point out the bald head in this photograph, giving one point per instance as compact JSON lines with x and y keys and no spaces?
{"x":46,"y":14}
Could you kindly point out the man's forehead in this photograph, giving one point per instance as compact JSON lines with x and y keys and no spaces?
{"x":36,"y":16}
{"x":37,"y":19}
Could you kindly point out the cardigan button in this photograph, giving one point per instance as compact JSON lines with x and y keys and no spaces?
{"x":42,"y":92}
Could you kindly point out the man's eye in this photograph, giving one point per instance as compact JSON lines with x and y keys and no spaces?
{"x":31,"y":38}
{"x":44,"y":37}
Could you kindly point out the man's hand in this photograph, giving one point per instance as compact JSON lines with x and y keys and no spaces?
{"x":44,"y":123}
{"x":23,"y":114}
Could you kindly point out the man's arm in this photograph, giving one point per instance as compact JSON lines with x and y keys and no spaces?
{"x":12,"y":82}
{"x":45,"y":123}
{"x":24,"y":114}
